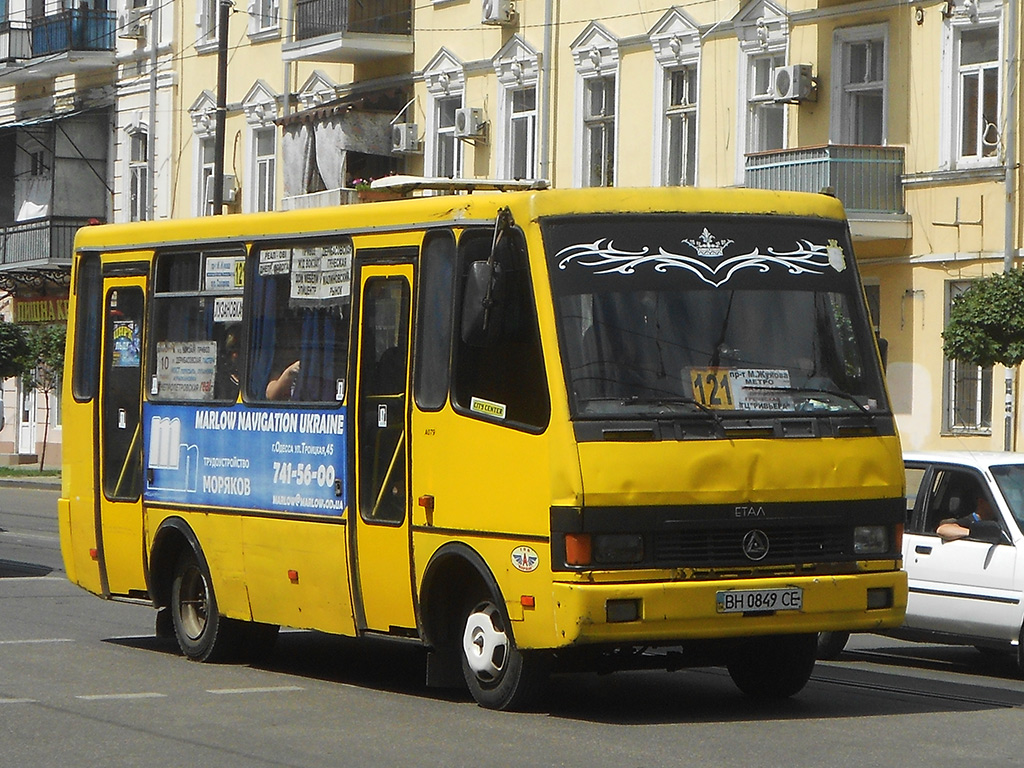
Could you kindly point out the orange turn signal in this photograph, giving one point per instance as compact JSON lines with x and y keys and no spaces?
{"x":578,"y":550}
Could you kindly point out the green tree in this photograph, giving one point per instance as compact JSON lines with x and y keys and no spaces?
{"x":45,"y":369}
{"x":986,"y":322}
{"x":14,"y":350}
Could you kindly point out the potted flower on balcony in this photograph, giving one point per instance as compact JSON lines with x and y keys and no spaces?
{"x":368,"y":195}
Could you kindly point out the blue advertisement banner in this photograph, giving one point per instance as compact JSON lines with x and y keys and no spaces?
{"x":250,"y":458}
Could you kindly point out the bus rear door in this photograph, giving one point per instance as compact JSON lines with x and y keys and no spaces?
{"x":382,"y":546}
{"x":120,"y":501}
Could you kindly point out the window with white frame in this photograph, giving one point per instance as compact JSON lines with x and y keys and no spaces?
{"x":967,"y":392}
{"x":517,"y":67}
{"x":596,"y":55}
{"x":138,"y":175}
{"x":766,"y":119}
{"x":263,"y":16}
{"x":978,"y":119}
{"x":207,"y":21}
{"x":680,"y":126}
{"x":204,"y":175}
{"x":447,"y":148}
{"x":264,"y":152}
{"x":860,"y":115}
{"x":522,"y":133}
{"x":599,"y":131}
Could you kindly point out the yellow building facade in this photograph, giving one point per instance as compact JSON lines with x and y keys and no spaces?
{"x":907,"y":112}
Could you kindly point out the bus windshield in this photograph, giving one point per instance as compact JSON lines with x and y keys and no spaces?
{"x":718,"y":314}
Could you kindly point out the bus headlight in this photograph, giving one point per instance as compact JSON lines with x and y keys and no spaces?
{"x":871,"y":539}
{"x":610,"y":548}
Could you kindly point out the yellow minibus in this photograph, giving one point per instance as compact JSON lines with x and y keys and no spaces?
{"x":533,"y":430}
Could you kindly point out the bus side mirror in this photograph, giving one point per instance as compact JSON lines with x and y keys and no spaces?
{"x":883,"y":351}
{"x":481,"y":302}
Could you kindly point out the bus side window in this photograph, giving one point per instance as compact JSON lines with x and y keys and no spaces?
{"x":298,"y":347}
{"x":196,"y":330}
{"x":89,"y":313}
{"x":434,"y":325}
{"x":504,"y":377}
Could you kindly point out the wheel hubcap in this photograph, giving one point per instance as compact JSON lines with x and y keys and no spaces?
{"x":485,"y":643}
{"x":193,"y":603}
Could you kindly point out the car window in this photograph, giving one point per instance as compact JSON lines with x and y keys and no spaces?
{"x":1010,"y":479}
{"x":953,"y":494}
{"x":915,"y":476}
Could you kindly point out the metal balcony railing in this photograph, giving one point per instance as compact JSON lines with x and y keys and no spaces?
{"x":80,"y":29}
{"x":47,"y":240}
{"x":867,"y":179}
{"x":314,"y":18}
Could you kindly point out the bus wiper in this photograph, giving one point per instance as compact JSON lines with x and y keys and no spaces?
{"x":818,"y":390}
{"x":674,"y":400}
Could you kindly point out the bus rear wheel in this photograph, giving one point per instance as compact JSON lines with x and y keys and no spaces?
{"x":202,"y":634}
{"x":497,"y":673}
{"x":774,"y":667}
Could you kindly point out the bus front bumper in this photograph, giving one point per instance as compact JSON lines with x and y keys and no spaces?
{"x":664,"y":612}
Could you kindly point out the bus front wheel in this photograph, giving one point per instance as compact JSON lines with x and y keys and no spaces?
{"x":774,"y":667}
{"x":498,"y":674}
{"x":202,"y":634}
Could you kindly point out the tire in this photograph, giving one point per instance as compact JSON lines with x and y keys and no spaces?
{"x":774,"y":667}
{"x":202,"y":633}
{"x":1019,"y":654}
{"x":498,"y":675}
{"x":831,"y":644}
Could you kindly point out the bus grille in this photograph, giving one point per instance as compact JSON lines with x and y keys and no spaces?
{"x":717,"y":546}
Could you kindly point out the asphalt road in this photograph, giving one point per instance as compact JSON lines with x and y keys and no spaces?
{"x":84,"y":682}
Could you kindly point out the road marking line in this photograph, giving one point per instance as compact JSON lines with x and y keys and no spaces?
{"x":37,"y":642}
{"x":18,"y":701}
{"x":268,"y":689}
{"x":106,"y":696}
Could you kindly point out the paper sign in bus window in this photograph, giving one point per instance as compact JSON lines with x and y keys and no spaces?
{"x":225,"y":273}
{"x":185,"y":370}
{"x":742,"y":389}
{"x":126,"y":344}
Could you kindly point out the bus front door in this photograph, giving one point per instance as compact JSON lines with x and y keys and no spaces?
{"x":120,"y":502}
{"x":382,"y":545}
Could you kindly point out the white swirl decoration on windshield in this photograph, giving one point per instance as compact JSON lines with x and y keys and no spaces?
{"x":710,"y":263}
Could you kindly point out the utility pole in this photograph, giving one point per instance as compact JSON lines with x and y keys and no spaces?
{"x":1010,"y":160}
{"x":224,"y":8}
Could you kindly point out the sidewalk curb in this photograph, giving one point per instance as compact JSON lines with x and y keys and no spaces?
{"x":31,"y":483}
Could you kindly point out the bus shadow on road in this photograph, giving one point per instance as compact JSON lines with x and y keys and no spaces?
{"x":836,"y":690}
{"x":10,"y":569}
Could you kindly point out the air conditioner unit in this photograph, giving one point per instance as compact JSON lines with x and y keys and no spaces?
{"x":405,"y":138}
{"x":229,"y":189}
{"x":469,"y":123}
{"x":130,"y":24}
{"x":497,"y":12}
{"x":793,"y":83}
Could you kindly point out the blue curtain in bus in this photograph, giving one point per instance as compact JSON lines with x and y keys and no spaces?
{"x":264,"y":334}
{"x":317,"y":359}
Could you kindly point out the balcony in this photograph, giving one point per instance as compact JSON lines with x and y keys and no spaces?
{"x":70,"y":42}
{"x":39,"y":243}
{"x":867,"y":179}
{"x":350,"y":31}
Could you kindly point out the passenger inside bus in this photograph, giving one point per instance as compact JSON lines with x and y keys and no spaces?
{"x":281,"y":388}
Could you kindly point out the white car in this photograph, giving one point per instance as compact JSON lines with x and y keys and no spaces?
{"x":965,"y":591}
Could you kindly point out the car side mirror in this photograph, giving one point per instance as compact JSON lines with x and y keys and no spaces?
{"x":988,"y":530}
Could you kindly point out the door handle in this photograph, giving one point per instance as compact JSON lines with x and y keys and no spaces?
{"x":923,"y":549}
